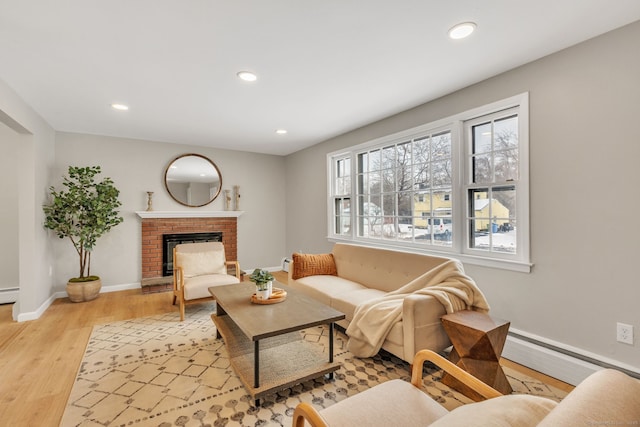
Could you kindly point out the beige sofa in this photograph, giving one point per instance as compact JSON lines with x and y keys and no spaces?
{"x":605,"y":398}
{"x":362,"y":274}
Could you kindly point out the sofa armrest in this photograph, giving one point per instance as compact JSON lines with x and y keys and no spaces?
{"x":421,"y":323}
{"x":290,"y":272}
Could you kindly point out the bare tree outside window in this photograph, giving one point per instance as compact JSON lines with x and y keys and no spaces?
{"x":398,"y":181}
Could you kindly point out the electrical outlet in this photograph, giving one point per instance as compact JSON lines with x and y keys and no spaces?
{"x":624,"y":333}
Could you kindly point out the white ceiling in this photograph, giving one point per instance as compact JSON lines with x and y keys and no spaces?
{"x":324,"y":67}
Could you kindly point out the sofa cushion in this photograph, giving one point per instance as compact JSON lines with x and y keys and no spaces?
{"x":392,"y":403}
{"x":312,"y":265}
{"x":325,"y":288}
{"x":512,"y":410}
{"x":201,"y":263}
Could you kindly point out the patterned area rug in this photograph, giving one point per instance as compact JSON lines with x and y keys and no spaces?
{"x":157,"y":371}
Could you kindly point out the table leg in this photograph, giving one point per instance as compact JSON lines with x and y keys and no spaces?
{"x":331,"y":347}
{"x":256,"y":364}
{"x":256,"y":368}
{"x":219,"y":312}
{"x":331,"y":342}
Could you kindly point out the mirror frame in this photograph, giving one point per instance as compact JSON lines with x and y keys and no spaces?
{"x":166,"y":185}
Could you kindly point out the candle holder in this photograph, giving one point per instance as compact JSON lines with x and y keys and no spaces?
{"x":149,"y":201}
{"x":236,"y":191}
{"x":227,"y":200}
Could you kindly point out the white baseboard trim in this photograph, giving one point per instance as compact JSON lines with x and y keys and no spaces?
{"x":33,"y":315}
{"x":558,"y":360}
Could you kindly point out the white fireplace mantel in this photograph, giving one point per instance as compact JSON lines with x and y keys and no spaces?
{"x":189,"y":214}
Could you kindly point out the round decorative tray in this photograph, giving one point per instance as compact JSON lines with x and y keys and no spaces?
{"x":277,"y":295}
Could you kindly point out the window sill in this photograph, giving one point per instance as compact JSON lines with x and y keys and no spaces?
{"x":502,"y":264}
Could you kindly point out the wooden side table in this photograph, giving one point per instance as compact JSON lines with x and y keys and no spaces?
{"x":478,"y":340}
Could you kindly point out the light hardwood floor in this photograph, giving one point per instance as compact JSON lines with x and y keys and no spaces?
{"x":39,"y":359}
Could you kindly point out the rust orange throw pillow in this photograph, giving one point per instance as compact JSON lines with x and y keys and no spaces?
{"x":313,"y":264}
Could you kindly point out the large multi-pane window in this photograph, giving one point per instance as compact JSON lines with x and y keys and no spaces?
{"x":403,"y":190}
{"x":457,"y":187}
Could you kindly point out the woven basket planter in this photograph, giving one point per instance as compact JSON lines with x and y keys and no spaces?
{"x":83,"y":291}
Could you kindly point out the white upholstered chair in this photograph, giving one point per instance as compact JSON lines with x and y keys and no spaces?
{"x":606,"y":397}
{"x":196,"y":268}
{"x":395,"y":402}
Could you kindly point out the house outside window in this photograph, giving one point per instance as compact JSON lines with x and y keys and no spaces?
{"x":457,"y":187}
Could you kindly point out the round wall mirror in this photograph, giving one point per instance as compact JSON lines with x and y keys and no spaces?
{"x":193,"y":180}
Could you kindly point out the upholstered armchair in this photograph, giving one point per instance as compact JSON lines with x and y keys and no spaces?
{"x":196,"y":268}
{"x":607,"y":397}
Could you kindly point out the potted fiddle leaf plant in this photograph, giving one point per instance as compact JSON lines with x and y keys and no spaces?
{"x":264,"y":281}
{"x":83,"y":212}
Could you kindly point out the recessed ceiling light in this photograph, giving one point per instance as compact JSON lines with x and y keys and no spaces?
{"x":281,"y":131}
{"x":247,"y":76}
{"x":461,"y":31}
{"x":120,"y":107}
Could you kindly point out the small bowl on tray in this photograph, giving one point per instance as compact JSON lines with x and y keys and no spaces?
{"x":277,"y":295}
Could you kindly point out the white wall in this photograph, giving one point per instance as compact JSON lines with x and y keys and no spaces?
{"x":137,"y":167}
{"x":34,"y":140}
{"x":584,"y":154}
{"x":9,"y":212}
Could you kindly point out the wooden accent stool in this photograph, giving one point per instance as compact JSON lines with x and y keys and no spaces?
{"x":478,"y":340}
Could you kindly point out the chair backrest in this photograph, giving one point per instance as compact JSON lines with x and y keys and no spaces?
{"x":197,"y":259}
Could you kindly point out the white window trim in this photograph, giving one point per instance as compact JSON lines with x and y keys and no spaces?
{"x":519,"y":262}
{"x":331,"y":196}
{"x":522,"y":200}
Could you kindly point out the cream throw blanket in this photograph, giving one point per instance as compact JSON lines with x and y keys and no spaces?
{"x":373,"y":319}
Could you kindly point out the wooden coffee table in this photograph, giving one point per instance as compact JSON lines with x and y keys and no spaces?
{"x":478,"y":340}
{"x":264,"y":344}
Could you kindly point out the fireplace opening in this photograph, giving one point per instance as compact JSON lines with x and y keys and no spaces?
{"x":169,"y":241}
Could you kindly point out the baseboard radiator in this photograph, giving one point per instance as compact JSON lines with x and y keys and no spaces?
{"x":567,"y":364}
{"x":9,"y":295}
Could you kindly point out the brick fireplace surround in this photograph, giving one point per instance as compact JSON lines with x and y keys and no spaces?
{"x":157,"y":223}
